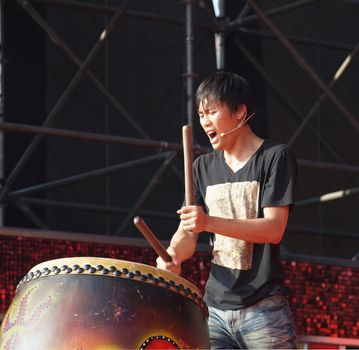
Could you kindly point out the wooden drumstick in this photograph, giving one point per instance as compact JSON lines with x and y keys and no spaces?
{"x":152,"y":239}
{"x":188,"y":160}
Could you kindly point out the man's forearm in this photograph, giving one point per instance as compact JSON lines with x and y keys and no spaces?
{"x":184,"y":243}
{"x":269,"y":229}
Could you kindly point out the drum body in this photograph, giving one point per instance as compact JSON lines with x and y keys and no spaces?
{"x":104,"y":304}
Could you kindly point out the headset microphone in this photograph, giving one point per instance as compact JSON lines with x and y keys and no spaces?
{"x":228,"y":132}
{"x":238,"y":126}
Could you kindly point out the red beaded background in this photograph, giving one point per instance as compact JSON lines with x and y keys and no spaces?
{"x":325,"y":298}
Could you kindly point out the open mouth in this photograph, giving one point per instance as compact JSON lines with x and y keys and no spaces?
{"x":212,"y":136}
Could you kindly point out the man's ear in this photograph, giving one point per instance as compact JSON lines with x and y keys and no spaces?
{"x":241,"y":113}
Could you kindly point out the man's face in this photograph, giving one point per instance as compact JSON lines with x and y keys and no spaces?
{"x":216,"y":118}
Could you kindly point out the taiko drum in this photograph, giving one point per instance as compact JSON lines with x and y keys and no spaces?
{"x":89,"y":303}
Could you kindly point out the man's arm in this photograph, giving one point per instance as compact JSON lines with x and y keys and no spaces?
{"x":182,"y":247}
{"x":184,"y":243}
{"x":269,"y":229}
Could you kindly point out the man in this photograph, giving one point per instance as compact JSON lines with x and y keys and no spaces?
{"x":243,"y":194}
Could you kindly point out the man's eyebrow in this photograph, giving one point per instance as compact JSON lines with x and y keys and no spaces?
{"x":208,"y":105}
{"x":204,"y":109}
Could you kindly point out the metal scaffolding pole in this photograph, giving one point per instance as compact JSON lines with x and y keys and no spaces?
{"x":189,"y":75}
{"x":134,"y":14}
{"x":328,"y":197}
{"x":31,"y":215}
{"x":322,"y":232}
{"x":86,"y":176}
{"x":94,"y":208}
{"x":240,"y":20}
{"x":209,"y":12}
{"x":298,"y":39}
{"x":245,"y":10}
{"x":220,"y":35}
{"x":328,"y":166}
{"x":89,"y":136}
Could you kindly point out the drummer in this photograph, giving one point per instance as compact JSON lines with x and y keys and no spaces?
{"x":243,"y":195}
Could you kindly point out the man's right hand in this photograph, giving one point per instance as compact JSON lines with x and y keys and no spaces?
{"x":174,"y":266}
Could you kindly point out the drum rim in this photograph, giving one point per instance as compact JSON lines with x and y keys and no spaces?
{"x":116,"y":268}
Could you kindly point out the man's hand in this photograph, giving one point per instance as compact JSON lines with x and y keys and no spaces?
{"x":193,"y":218}
{"x":174,"y":266}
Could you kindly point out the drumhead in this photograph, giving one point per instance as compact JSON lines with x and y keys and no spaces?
{"x":115,"y":268}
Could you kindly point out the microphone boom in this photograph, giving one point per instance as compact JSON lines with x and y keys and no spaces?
{"x":238,"y":126}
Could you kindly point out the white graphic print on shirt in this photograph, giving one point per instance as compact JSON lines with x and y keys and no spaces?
{"x":238,"y":200}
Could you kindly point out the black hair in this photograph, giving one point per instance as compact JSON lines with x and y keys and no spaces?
{"x":227,"y":88}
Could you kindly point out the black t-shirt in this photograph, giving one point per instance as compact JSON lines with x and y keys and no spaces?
{"x":242,"y":273}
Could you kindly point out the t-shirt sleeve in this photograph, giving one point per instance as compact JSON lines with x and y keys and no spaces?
{"x":280,"y":182}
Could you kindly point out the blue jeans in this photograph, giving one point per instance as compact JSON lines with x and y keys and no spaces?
{"x":264,"y":325}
